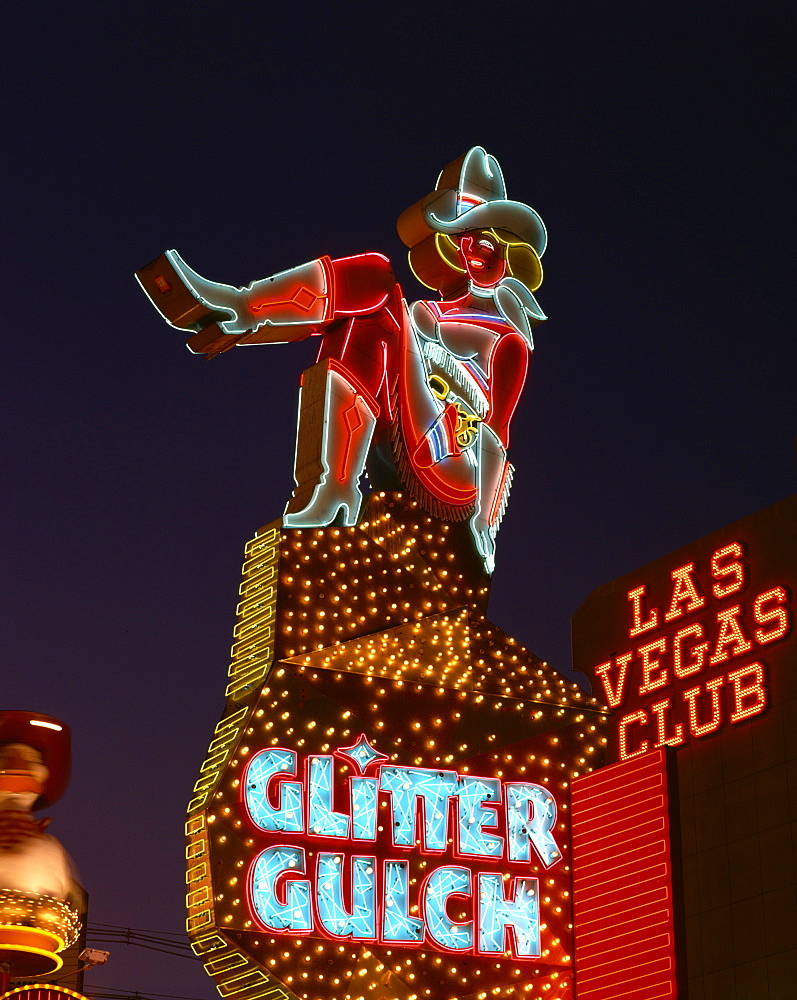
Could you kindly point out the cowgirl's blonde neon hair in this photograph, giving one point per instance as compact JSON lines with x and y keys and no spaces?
{"x":522,"y":261}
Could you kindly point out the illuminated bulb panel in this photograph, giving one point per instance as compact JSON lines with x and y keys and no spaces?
{"x":391,"y":780}
{"x":622,"y":882}
{"x":439,"y":552}
{"x":349,"y":587}
{"x":365,"y":724}
{"x":502,"y":666}
{"x":456,"y":650}
{"x":432,"y":650}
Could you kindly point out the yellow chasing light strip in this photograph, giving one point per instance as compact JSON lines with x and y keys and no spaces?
{"x":42,"y":986}
{"x":29,"y":950}
{"x":22,"y":931}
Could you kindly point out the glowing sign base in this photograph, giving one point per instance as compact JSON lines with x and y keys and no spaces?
{"x":384,"y":807}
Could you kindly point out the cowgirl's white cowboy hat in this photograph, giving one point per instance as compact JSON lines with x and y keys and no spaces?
{"x":471,"y":194}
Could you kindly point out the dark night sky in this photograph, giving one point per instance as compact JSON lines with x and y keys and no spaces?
{"x":253,"y":136}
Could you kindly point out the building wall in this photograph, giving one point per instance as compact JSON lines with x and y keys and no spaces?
{"x":736,"y":918}
{"x":738,"y":813}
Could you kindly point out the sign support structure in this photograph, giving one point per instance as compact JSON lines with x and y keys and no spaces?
{"x":357,"y":649}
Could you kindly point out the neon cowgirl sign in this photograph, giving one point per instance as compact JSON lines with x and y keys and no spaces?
{"x":422,"y":393}
{"x":350,"y":893}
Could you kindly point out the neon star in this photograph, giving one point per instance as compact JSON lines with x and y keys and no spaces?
{"x":362,"y":753}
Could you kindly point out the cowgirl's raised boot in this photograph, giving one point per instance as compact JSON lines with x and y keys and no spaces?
{"x":336,"y":424}
{"x":285,"y":307}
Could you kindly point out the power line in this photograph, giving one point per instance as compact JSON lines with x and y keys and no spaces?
{"x":117,"y":993}
{"x":148,"y":947}
{"x":137,"y":930}
{"x":165,"y":942}
{"x":173,"y":944}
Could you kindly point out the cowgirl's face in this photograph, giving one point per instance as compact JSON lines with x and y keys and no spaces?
{"x":483,"y":257}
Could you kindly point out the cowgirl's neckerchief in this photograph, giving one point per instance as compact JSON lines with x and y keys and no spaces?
{"x":515,"y":303}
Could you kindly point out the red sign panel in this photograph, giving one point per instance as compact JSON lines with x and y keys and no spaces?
{"x":622,"y":882}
